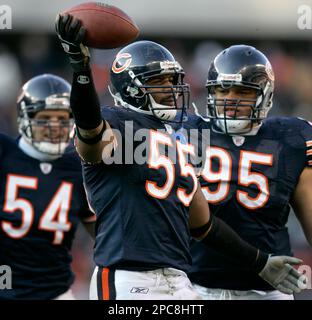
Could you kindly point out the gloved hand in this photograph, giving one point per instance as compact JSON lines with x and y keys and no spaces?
{"x":71,"y":34}
{"x":279,"y":273}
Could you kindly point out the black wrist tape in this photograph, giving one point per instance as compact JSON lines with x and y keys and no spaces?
{"x":92,"y":140}
{"x":200,"y":231}
{"x":224,"y":239}
{"x":84,"y":101}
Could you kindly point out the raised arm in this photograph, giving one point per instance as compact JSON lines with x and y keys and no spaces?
{"x":84,"y":100}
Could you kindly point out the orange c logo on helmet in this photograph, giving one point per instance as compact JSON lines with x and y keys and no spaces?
{"x":123,"y":60}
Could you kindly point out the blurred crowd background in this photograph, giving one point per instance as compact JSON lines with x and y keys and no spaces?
{"x":27,"y":52}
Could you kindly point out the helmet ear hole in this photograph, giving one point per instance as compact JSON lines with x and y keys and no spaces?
{"x":132,"y":91}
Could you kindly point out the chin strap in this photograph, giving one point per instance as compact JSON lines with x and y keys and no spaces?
{"x":161,"y":111}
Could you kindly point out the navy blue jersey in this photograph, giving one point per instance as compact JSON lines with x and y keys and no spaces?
{"x":141,"y":208}
{"x":249,"y":183}
{"x":41,"y":204}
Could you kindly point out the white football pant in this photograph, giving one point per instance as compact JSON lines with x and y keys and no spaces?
{"x":223,"y":294}
{"x":159,"y":284}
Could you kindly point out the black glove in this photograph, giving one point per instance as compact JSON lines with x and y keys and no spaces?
{"x":71,"y":34}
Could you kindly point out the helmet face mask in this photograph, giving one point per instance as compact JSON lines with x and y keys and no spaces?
{"x":239,"y":68}
{"x":50,"y":137}
{"x":137,"y":78}
{"x":44,"y":115}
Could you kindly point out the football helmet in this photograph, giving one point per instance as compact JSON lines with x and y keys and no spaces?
{"x":244,"y":66}
{"x":140,"y":62}
{"x":44,"y":92}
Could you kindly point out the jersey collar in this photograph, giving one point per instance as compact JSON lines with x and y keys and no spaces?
{"x":34,"y":153}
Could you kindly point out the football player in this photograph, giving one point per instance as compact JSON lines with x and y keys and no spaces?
{"x":145,"y":208}
{"x":255,"y":169}
{"x":42,"y":196}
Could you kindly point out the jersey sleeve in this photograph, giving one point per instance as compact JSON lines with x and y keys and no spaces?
{"x":110,"y":115}
{"x":306,"y":133}
{"x":86,"y":212}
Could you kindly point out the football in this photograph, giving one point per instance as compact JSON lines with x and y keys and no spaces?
{"x":106,"y":26}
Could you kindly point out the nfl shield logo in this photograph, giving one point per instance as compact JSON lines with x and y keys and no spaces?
{"x":45,"y":167}
{"x":238,"y":140}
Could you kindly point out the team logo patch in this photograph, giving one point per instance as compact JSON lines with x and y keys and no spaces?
{"x":139,"y":290}
{"x":45,"y":167}
{"x":121,"y":62}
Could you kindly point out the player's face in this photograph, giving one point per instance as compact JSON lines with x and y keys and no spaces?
{"x":166,"y":97}
{"x":51,"y":126}
{"x":245,"y":97}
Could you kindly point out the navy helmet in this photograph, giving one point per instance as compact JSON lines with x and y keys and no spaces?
{"x":134,"y":66}
{"x":244,"y":66}
{"x":44,"y":92}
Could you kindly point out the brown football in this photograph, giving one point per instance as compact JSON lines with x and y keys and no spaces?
{"x":106,"y":26}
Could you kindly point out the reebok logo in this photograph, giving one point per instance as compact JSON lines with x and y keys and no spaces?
{"x":139,"y":290}
{"x":83,"y":79}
